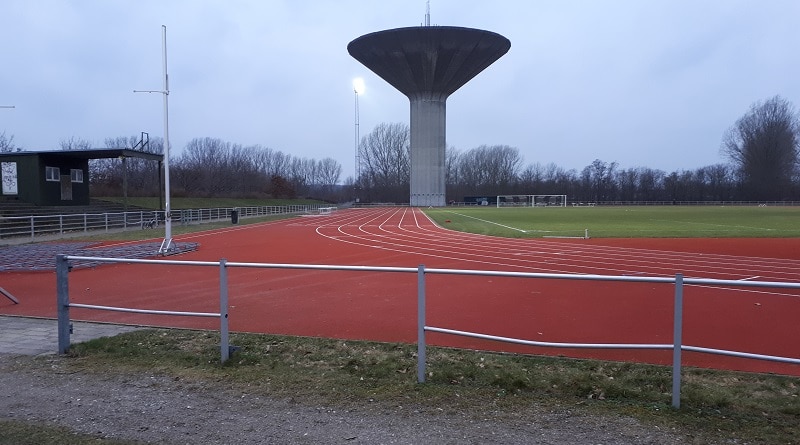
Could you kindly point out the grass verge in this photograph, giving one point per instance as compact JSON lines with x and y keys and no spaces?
{"x":735,"y":407}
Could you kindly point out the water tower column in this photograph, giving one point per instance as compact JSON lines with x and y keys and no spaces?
{"x":428,"y":116}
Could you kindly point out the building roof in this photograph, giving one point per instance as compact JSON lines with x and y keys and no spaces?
{"x":94,"y":153}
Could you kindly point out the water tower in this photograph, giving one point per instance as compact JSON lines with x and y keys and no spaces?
{"x":428,"y":64}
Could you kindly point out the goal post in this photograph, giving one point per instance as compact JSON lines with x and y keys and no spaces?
{"x":531,"y":201}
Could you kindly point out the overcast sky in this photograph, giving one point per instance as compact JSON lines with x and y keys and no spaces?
{"x":645,"y":83}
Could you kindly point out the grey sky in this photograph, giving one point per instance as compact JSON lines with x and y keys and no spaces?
{"x":651,"y":83}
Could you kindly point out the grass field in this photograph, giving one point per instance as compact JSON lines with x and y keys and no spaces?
{"x":624,"y":222}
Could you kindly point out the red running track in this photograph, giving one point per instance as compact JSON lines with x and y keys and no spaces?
{"x":382,"y":306}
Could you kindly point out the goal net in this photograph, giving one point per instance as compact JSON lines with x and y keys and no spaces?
{"x":531,"y":201}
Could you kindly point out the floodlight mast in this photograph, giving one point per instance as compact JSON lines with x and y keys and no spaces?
{"x":358,"y":87}
{"x":166,"y":245}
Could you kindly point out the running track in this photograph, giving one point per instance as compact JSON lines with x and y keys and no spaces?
{"x":382,"y":306}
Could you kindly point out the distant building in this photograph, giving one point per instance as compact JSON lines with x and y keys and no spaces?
{"x":55,"y":178}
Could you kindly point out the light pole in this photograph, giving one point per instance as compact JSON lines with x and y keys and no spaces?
{"x":358,"y":88}
{"x":166,"y":245}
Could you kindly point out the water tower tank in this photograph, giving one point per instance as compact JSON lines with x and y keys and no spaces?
{"x":428,"y":64}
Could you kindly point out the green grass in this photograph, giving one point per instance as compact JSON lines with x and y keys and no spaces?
{"x":735,"y":407}
{"x":625,"y":222}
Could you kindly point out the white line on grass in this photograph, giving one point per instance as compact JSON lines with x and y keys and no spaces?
{"x":492,"y":222}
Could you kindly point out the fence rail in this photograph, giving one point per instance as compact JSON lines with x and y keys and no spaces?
{"x":63,"y":303}
{"x":42,"y":225}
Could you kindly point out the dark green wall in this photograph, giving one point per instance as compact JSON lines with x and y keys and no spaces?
{"x":33,"y":187}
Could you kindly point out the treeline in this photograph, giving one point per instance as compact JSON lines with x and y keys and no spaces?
{"x":761,"y":147}
{"x":605,"y":182}
{"x":500,"y":170}
{"x":209,"y":167}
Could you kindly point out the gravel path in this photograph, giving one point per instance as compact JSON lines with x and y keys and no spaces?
{"x":157,"y":409}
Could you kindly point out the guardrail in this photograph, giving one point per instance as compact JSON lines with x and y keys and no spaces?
{"x":63,"y":303}
{"x":676,"y":346}
{"x":41,"y":225}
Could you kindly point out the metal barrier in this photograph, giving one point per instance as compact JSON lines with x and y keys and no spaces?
{"x":676,"y":346}
{"x":79,"y":223}
{"x":63,"y":303}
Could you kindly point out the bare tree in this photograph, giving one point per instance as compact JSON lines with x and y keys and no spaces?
{"x":490,"y":169}
{"x":451,"y":166}
{"x":7,"y":143}
{"x":328,"y":173}
{"x":763,"y":146}
{"x":598,"y":178}
{"x":73,"y":143}
{"x":204,"y":161}
{"x":385,"y":162}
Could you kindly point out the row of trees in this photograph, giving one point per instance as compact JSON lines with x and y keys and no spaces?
{"x":500,"y":170}
{"x":212,"y":167}
{"x":762,"y":148}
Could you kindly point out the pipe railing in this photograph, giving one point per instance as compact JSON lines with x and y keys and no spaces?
{"x":63,"y":303}
{"x":41,"y":225}
{"x":676,"y":346}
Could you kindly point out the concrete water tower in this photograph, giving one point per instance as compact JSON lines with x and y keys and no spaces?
{"x":428,"y":64}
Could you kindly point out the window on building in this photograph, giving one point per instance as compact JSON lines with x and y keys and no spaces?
{"x":52,"y":173}
{"x":76,"y":175}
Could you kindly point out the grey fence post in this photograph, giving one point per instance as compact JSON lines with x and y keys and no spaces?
{"x":62,"y":294}
{"x":224,"y":349}
{"x":677,"y":340}
{"x":421,"y":353}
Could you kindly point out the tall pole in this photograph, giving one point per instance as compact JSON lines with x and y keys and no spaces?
{"x":358,"y":157}
{"x":166,"y":245}
{"x":358,"y":87}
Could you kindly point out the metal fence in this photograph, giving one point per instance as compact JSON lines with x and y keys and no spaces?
{"x":64,"y":304}
{"x":676,"y":346}
{"x":43,"y":225}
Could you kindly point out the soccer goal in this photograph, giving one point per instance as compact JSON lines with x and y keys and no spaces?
{"x":531,"y":201}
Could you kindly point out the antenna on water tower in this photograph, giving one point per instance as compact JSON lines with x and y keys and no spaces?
{"x":428,"y":13}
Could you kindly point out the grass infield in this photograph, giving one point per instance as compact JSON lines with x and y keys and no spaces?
{"x":624,"y":222}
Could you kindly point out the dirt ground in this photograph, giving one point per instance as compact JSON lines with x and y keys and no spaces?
{"x":154,"y":408}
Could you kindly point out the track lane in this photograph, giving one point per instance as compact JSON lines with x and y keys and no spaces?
{"x":396,"y":232}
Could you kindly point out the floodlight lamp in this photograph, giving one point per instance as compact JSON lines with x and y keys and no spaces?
{"x":358,"y":85}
